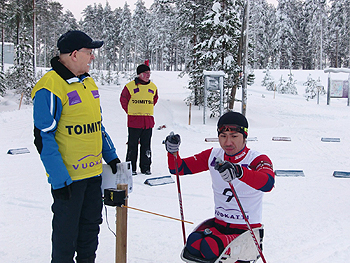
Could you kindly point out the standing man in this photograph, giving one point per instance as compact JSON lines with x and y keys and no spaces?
{"x":72,"y":141}
{"x":138,"y":99}
{"x":249,"y":171}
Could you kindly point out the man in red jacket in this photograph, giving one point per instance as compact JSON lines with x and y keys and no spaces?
{"x":138,"y":99}
{"x":250,"y":172}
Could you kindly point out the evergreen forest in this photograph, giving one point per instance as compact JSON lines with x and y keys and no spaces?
{"x":186,"y":36}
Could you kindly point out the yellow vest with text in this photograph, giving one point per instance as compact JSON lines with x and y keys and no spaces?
{"x":141,"y":101}
{"x":78,"y":133}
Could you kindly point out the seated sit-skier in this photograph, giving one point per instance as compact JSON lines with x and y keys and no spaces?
{"x":250,"y":172}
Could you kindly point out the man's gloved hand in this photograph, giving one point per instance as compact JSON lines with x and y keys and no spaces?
{"x":64,"y":193}
{"x":113,"y":165}
{"x":172,"y":142}
{"x":228,"y":171}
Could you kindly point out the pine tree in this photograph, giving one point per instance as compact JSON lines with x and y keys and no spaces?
{"x":281,"y":85}
{"x":190,"y":15}
{"x":338,"y":46}
{"x":115,"y":78}
{"x":109,"y":77}
{"x":262,"y":31}
{"x":288,"y":87}
{"x":140,"y":25}
{"x":314,"y":25}
{"x":126,"y":38}
{"x":163,"y":35}
{"x":49,"y":28}
{"x":268,"y":80}
{"x":285,"y":36}
{"x":311,"y":88}
{"x":20,"y":76}
{"x":216,"y":49}
{"x":102,"y":78}
{"x":110,"y":33}
{"x":68,"y":22}
{"x":92,"y":25}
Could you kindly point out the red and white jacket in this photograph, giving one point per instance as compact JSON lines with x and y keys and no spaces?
{"x":258,"y":177}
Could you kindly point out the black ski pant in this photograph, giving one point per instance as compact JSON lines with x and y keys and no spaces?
{"x":75,"y":223}
{"x":144,"y":137}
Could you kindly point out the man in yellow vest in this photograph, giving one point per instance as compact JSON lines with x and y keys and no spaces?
{"x":71,"y":140}
{"x":138,"y":99}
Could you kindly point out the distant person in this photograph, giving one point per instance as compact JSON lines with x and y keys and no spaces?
{"x":72,"y":141}
{"x":138,"y":99}
{"x":250,"y":173}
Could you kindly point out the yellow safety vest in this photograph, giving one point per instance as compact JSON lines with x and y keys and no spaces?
{"x":78,"y":133}
{"x":141,"y":101}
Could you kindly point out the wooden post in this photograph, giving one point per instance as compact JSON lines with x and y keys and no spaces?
{"x":121,"y":238}
{"x":329,"y":88}
{"x":189,"y":114}
{"x":20,"y":102}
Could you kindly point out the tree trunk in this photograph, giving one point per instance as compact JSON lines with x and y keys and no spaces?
{"x":2,"y":49}
{"x":239,"y":62}
{"x":34,"y":40}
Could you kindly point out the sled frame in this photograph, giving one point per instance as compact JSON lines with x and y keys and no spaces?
{"x":241,"y":248}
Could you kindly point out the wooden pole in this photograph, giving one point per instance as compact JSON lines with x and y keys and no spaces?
{"x":189,"y":114}
{"x":20,"y":102}
{"x":121,"y":238}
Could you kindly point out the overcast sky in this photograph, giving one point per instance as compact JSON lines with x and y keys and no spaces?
{"x":76,"y":7}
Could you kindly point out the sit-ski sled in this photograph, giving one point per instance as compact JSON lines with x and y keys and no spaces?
{"x":242,"y":248}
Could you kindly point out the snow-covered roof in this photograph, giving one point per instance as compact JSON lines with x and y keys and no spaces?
{"x":337,"y":70}
{"x":213,"y":73}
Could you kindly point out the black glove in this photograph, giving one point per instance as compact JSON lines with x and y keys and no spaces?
{"x":228,"y":171}
{"x":113,"y":165}
{"x":64,"y":193}
{"x":172,"y":142}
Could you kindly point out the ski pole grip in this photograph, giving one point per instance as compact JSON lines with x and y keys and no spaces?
{"x":218,"y":163}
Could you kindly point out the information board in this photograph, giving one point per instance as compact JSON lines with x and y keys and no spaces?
{"x":339,"y":89}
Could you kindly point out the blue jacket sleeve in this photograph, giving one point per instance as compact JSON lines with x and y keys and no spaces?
{"x":108,"y":149}
{"x":47,"y":109}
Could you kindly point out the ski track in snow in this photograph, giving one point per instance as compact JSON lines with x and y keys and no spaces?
{"x":305,"y":218}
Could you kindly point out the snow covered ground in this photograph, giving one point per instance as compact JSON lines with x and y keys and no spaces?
{"x":306,"y":218}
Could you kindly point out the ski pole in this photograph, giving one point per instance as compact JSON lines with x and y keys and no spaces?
{"x":247,"y":222}
{"x":180,"y":197}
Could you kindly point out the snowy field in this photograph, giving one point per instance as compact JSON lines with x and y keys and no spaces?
{"x":306,"y":218}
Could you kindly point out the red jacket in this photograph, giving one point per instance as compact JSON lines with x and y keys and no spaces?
{"x":141,"y":122}
{"x":259,"y":175}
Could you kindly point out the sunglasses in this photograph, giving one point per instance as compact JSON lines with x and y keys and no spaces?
{"x":89,"y":53}
{"x":233,"y":128}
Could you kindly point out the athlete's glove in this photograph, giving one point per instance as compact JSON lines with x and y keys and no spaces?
{"x":113,"y":165}
{"x":172,"y":142}
{"x":228,"y":171}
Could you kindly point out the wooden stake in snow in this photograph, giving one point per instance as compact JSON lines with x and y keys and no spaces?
{"x":122,"y":219}
{"x":20,"y":102}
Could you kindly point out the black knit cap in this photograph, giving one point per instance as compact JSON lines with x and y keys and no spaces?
{"x":142,"y":68}
{"x":236,"y":119}
{"x":75,"y":40}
